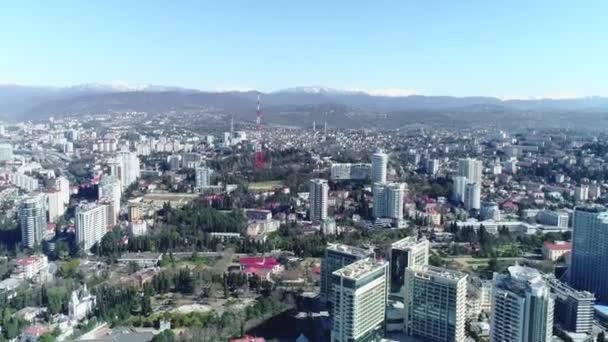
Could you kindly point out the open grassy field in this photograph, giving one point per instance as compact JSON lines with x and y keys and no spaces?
{"x":265,"y":186}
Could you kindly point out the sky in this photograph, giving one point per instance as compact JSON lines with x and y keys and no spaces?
{"x":508,"y":49}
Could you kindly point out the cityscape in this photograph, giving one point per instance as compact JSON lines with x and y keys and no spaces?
{"x":161,"y":213}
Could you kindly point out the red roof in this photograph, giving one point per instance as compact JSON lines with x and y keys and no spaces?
{"x":258,"y":262}
{"x":564,"y":246}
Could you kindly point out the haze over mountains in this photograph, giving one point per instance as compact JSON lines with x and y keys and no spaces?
{"x":298,"y":106}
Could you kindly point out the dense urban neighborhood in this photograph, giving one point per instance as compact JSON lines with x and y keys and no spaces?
{"x":137,"y":226}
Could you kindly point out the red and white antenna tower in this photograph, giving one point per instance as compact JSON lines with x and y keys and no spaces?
{"x":258,"y":158}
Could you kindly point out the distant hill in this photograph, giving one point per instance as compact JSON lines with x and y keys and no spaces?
{"x":293,"y":106}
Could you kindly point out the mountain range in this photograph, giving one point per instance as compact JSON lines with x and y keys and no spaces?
{"x":349,"y":108}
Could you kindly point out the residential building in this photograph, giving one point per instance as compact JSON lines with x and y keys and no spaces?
{"x":359,"y":291}
{"x":6,"y":152}
{"x":459,"y":188}
{"x":63,"y":185}
{"x":589,"y":262}
{"x":406,"y":253}
{"x":55,"y":205}
{"x":202,"y":177}
{"x":581,"y":193}
{"x":347,"y":171}
{"x":432,"y":166}
{"x":555,"y":250}
{"x":379,"y":167}
{"x":138,"y":227}
{"x":109,"y":188}
{"x":24,"y":182}
{"x":336,"y":257}
{"x":470,"y":168}
{"x":490,"y":211}
{"x":125,"y":166}
{"x":318,"y":195}
{"x":479,"y":297}
{"x":91,"y":224}
{"x":573,"y":310}
{"x":522,"y":307}
{"x":472,"y":197}
{"x":30,"y":267}
{"x":435,"y":300}
{"x":559,"y":219}
{"x":32,"y":219}
{"x":388,"y":200}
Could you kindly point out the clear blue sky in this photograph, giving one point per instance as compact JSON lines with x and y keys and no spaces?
{"x":499,"y":48}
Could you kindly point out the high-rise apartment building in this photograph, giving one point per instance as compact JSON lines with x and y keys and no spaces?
{"x":459,"y":188}
{"x":202,"y":177}
{"x":388,"y":200}
{"x":318,"y":196}
{"x":91,"y":224}
{"x":435,"y":300}
{"x":589,"y":262}
{"x":573,"y":309}
{"x":55,"y":205}
{"x":472,"y":196}
{"x":522,"y":307}
{"x":406,"y":253}
{"x":379,"y":167}
{"x":470,"y":168}
{"x":6,"y":152}
{"x":359,"y":292}
{"x":432,"y":166}
{"x":109,"y":189}
{"x":337,"y":256}
{"x":32,"y":219}
{"x":125,"y":166}
{"x":63,"y":185}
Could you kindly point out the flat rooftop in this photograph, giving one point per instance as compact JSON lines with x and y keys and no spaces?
{"x":439,"y":272}
{"x":407,"y":242}
{"x":359,"y":268}
{"x":346,"y":249}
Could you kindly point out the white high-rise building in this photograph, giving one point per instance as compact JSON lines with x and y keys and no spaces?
{"x":125,"y":166}
{"x":63,"y":185}
{"x":55,"y":205}
{"x":379,"y":167}
{"x":202,"y":177}
{"x":91,"y":224}
{"x":24,"y":182}
{"x":109,"y":189}
{"x":318,"y":195}
{"x":388,"y":200}
{"x":472,"y":197}
{"x":522,"y":307}
{"x":359,"y":292}
{"x":581,"y":193}
{"x":395,"y":196}
{"x":379,"y":193}
{"x":406,"y":253}
{"x":32,"y":219}
{"x":435,"y":303}
{"x":6,"y":152}
{"x":470,"y":168}
{"x":459,"y":188}
{"x":432,"y":166}
{"x":337,"y":256}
